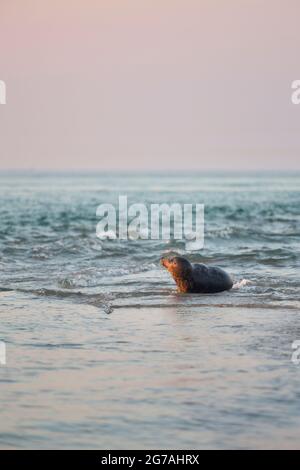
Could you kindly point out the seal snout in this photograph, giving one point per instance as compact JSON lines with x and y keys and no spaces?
{"x":165,"y":262}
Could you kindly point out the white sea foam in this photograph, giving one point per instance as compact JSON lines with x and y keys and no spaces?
{"x":242,"y":283}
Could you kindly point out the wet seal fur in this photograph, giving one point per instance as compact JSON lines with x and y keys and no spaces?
{"x":197,"y":278}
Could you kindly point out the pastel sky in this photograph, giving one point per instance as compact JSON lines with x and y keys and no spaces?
{"x":149,"y":84}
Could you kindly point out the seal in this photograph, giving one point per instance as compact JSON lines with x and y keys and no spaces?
{"x":197,"y":278}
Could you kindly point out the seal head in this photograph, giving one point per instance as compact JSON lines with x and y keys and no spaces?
{"x":181,"y":270}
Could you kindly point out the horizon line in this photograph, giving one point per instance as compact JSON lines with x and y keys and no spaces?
{"x":34,"y":171}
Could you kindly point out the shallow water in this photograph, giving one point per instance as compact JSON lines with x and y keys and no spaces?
{"x":101,"y":351}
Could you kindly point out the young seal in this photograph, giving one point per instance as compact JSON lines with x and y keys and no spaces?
{"x":197,"y":278}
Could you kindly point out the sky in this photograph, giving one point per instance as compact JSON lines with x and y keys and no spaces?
{"x":149,"y":85}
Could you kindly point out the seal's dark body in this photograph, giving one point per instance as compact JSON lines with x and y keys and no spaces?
{"x":209,"y":280}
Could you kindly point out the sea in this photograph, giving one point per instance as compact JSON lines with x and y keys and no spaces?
{"x":101,"y":352}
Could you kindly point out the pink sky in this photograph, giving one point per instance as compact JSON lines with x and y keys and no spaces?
{"x":149,"y":84}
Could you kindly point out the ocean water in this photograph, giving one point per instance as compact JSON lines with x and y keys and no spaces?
{"x":101,"y":350}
